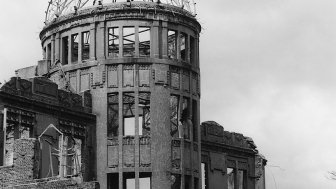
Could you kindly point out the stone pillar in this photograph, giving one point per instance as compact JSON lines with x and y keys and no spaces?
{"x":164,"y":37}
{"x":100,"y":41}
{"x":99,"y":107}
{"x":93,"y":41}
{"x":57,"y":46}
{"x":155,"y":50}
{"x":160,"y":133}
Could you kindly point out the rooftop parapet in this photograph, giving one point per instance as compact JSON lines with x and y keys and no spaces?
{"x":43,"y":90}
{"x":213,"y":132}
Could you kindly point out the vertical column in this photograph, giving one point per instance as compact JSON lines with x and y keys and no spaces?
{"x":137,"y":146}
{"x":69,"y":49}
{"x":100,"y":40}
{"x":79,"y":81}
{"x":121,"y":42}
{"x":160,"y":134}
{"x":52,"y":58}
{"x":4,"y":134}
{"x":164,"y":37}
{"x":187,"y":51}
{"x":199,"y":144}
{"x":93,"y":41}
{"x":57,"y":46}
{"x":136,"y":42}
{"x":155,"y":40}
{"x":99,"y":108}
{"x":178,"y":46}
{"x":80,"y":46}
{"x":182,"y":138}
{"x":197,"y":51}
{"x":191,"y":131}
{"x":121,"y":125}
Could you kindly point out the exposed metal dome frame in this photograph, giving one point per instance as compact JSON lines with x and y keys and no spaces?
{"x":57,"y":8}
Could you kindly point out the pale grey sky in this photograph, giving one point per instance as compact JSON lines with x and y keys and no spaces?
{"x":267,"y":71}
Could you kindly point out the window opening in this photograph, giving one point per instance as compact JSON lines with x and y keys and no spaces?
{"x":49,"y":51}
{"x":187,"y":182}
{"x":128,"y":41}
{"x":129,"y":114}
{"x":196,"y":183}
{"x":183,"y":46}
{"x":236,"y":178}
{"x":204,"y":176}
{"x":241,"y":179}
{"x":85,"y":45}
{"x":185,"y":118}
{"x":230,"y":178}
{"x":51,"y":140}
{"x":195,"y":120}
{"x":177,"y":181}
{"x":174,"y":122}
{"x":113,"y":181}
{"x":144,"y":41}
{"x":45,"y":53}
{"x":113,"y":116}
{"x":144,"y":181}
{"x":15,"y":124}
{"x":74,"y":48}
{"x":171,"y":41}
{"x":72,"y":155}
{"x":144,"y":114}
{"x":192,"y":50}
{"x":65,"y":50}
{"x":113,"y":42}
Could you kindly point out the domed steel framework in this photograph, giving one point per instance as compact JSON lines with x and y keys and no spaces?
{"x":58,"y":8}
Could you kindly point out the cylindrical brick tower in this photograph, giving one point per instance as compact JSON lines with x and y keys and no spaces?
{"x":140,"y":62}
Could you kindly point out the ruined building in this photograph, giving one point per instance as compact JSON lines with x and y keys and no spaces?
{"x":115,"y":104}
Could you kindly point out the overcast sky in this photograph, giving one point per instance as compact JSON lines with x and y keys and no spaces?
{"x":268,"y":71}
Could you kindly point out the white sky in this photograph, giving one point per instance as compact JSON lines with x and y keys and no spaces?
{"x":267,"y":71}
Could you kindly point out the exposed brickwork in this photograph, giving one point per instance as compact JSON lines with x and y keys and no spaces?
{"x":22,"y":173}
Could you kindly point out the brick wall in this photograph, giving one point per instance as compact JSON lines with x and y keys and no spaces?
{"x":23,"y":172}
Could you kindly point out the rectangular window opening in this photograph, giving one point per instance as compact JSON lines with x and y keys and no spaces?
{"x":183,"y":46}
{"x":113,"y":116}
{"x":44,"y":53}
{"x":129,"y":114}
{"x":241,"y":174}
{"x":144,"y":114}
{"x":185,"y":118}
{"x":74,"y":48}
{"x":144,"y":180}
{"x":196,"y":183}
{"x":72,"y":156}
{"x":192,"y":50}
{"x":230,"y":178}
{"x":144,"y":41}
{"x":49,"y":51}
{"x":171,"y":41}
{"x":204,"y":175}
{"x":113,"y":181}
{"x":85,"y":45}
{"x":113,"y":42}
{"x":187,"y":182}
{"x":128,"y":41}
{"x":195,"y":120}
{"x":65,"y":50}
{"x":174,"y":116}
